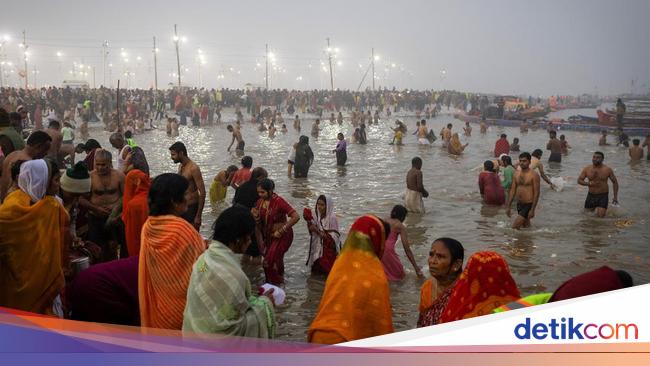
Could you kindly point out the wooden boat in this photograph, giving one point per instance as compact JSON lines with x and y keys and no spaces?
{"x":574,"y":124}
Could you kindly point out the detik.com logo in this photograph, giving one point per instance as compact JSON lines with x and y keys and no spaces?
{"x":568,"y":328}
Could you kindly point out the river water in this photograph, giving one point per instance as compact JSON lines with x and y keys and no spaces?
{"x":562,"y":242}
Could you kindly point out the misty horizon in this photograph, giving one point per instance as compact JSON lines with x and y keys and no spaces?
{"x":566,"y":48}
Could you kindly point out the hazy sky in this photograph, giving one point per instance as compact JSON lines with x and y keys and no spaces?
{"x":510,"y":47}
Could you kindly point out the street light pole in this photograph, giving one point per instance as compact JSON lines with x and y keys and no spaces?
{"x":329,"y":56}
{"x":373,"y":68}
{"x":25,"y":59}
{"x":178,"y":58}
{"x":155,"y":64}
{"x":104,"y":55}
{"x":266,"y":77}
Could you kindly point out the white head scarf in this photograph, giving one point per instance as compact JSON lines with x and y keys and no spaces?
{"x":34,"y":179}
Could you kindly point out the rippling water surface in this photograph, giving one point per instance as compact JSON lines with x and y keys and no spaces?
{"x":562,"y":242}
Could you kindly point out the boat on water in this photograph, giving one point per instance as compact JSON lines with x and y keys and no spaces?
{"x":577,"y":123}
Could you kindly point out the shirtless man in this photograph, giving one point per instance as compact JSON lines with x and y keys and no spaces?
{"x":37,"y":147}
{"x":296,"y":123}
{"x":415,"y":187}
{"x":236,"y":135}
{"x":646,"y":143}
{"x":119,"y":143}
{"x":422,"y":133}
{"x":603,"y":139}
{"x":107,"y":187}
{"x":54,"y":130}
{"x":315,"y":128}
{"x":195,"y":194}
{"x":483,"y":126}
{"x":636,"y":152}
{"x":467,"y":129}
{"x":446,"y":134}
{"x":595,"y":177}
{"x":555,"y":146}
{"x":525,"y":186}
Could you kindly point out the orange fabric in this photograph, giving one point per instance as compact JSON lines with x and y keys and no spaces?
{"x":426,"y":295}
{"x":31,"y":241}
{"x":484,"y":285}
{"x":135,"y":208}
{"x":170,"y":246}
{"x":356,"y":300}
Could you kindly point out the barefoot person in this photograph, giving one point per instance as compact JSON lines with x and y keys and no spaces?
{"x":236,"y":135}
{"x":525,"y":187}
{"x":636,"y":152}
{"x":415,"y":188}
{"x":195,"y":194}
{"x":595,"y":177}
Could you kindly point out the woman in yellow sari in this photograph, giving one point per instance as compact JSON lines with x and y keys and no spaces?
{"x":455,"y":147}
{"x":356,"y":301}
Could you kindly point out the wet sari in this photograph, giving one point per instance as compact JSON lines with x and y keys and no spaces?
{"x":356,"y":300}
{"x":273,"y":217}
{"x":484,"y":285}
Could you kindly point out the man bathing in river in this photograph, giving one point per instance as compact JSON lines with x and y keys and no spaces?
{"x":236,"y":135}
{"x":595,"y":177}
{"x":195,"y":194}
{"x":415,"y":188}
{"x":525,"y":186}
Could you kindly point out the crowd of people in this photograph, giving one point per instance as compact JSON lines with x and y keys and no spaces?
{"x":152,"y":268}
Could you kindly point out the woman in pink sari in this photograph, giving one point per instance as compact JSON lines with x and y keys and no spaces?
{"x":273,"y":229}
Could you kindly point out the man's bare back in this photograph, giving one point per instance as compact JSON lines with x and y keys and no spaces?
{"x":188,"y":170}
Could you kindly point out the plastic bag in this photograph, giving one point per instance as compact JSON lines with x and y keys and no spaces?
{"x":558,"y":183}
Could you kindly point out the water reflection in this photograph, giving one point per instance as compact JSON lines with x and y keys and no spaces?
{"x":561,"y":243}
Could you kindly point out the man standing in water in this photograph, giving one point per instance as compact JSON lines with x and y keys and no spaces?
{"x":636,"y":152}
{"x":595,"y":177}
{"x":236,"y":135}
{"x":525,"y":186}
{"x":422,"y":133}
{"x":555,"y":146}
{"x":195,"y":194}
{"x":415,"y":187}
{"x":107,"y":187}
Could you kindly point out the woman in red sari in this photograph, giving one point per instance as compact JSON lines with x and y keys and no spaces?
{"x":445,"y":265}
{"x":484,"y":285}
{"x":273,"y":230}
{"x":324,"y":235}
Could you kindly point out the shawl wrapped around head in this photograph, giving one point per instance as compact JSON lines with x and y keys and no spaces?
{"x":220,"y":300}
{"x":484,"y":285}
{"x":31,"y":241}
{"x":356,"y":300}
{"x":169,"y":248}
{"x":135,"y":208}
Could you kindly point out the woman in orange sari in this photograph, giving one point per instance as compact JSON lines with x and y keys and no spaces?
{"x":273,"y":230}
{"x":135,"y":209}
{"x":484,"y":285}
{"x":169,"y":248}
{"x":445,"y":265}
{"x":356,"y":301}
